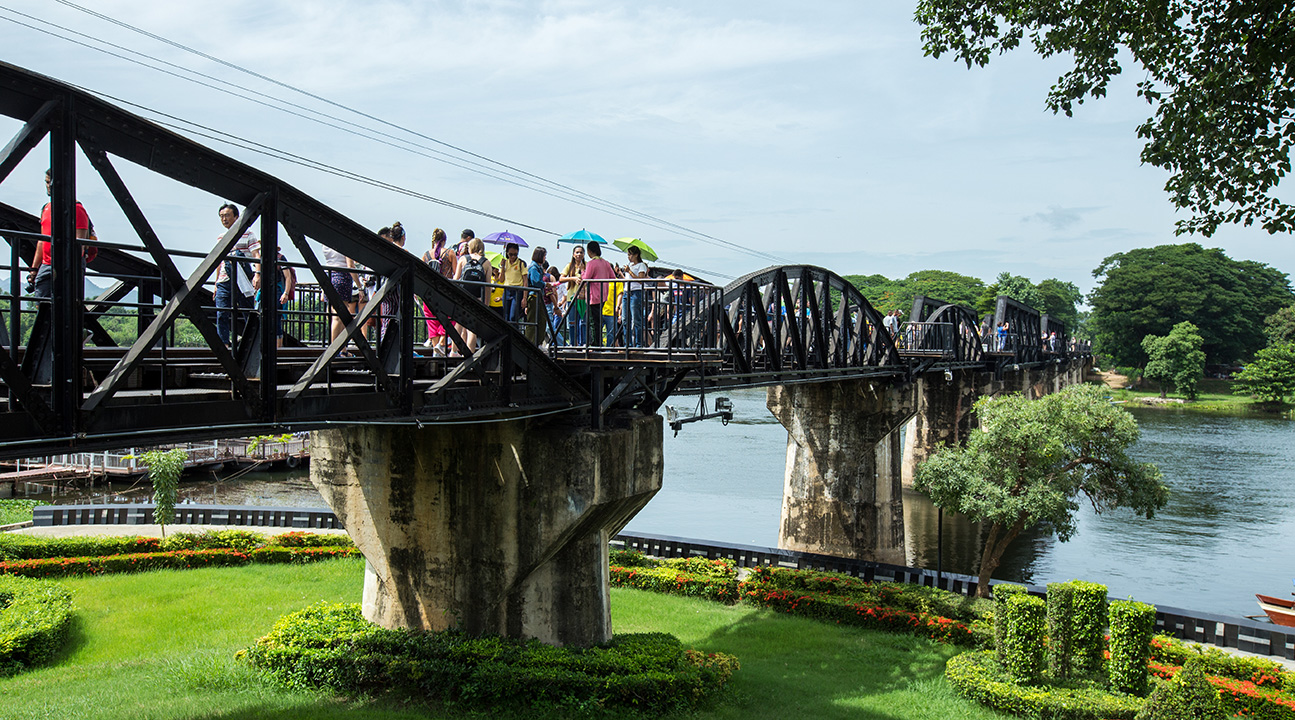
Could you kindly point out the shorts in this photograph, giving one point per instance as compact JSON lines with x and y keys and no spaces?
{"x":341,"y":283}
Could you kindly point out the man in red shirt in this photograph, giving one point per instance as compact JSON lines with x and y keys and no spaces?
{"x":42,"y":271}
{"x":596,"y":269}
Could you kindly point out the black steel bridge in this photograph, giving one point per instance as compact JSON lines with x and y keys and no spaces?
{"x":71,"y":377}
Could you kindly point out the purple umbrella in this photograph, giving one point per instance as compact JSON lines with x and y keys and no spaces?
{"x":503,"y":238}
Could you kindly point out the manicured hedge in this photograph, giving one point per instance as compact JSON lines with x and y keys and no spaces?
{"x":1061,"y":629}
{"x":1171,"y":652}
{"x":35,"y":618}
{"x":1132,"y":624}
{"x":1002,"y":593}
{"x":333,"y":647}
{"x":176,"y":560}
{"x":1089,"y":606}
{"x":18,"y":546}
{"x":977,"y":676}
{"x":1023,"y":637}
{"x":901,"y":596}
{"x":692,"y":577}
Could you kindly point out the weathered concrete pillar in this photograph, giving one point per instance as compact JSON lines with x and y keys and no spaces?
{"x":943,"y":415}
{"x":843,"y":493}
{"x":497,"y":528}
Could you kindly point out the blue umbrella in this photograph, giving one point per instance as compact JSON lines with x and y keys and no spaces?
{"x":582,"y":236}
{"x":503,"y":238}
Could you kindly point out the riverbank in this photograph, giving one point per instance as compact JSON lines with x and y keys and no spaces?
{"x":1215,"y":398}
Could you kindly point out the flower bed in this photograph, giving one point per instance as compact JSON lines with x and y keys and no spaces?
{"x":59,"y":557}
{"x":693,"y":577}
{"x":333,"y":647}
{"x":35,"y":618}
{"x":882,"y":606}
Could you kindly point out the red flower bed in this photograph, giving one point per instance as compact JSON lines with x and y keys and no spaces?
{"x":179,"y":559}
{"x":844,"y":610}
{"x":1256,"y":698}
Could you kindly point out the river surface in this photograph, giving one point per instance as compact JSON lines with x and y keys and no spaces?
{"x":1227,"y":532}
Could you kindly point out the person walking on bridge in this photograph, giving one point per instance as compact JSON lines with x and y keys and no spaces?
{"x":233,"y":276}
{"x":41,"y":274}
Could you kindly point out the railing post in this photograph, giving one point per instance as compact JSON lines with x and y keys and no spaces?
{"x":269,"y":269}
{"x":68,"y":288}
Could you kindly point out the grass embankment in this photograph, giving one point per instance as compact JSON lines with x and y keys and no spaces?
{"x":160,"y":645}
{"x":1214,"y":396}
{"x":17,"y":510}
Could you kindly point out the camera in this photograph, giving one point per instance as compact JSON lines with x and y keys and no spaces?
{"x":30,"y":287}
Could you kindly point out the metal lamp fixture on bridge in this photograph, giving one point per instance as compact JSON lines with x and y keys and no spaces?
{"x":948,"y":376}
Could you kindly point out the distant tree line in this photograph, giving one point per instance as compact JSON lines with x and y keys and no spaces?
{"x":1055,"y":298}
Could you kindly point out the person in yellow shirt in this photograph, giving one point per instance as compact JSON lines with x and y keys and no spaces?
{"x":514,"y":278}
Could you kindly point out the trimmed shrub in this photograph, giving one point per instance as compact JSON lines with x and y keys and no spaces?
{"x":1023,"y":638}
{"x":1088,"y":634}
{"x":1061,"y":607}
{"x":35,"y":618}
{"x":1170,"y":653}
{"x":629,"y":558}
{"x":177,"y":560}
{"x":913,"y":598}
{"x":244,"y":540}
{"x":1132,"y":624}
{"x":333,"y":647}
{"x":846,"y":610}
{"x":1189,"y":696}
{"x":14,"y":546}
{"x":977,"y":676}
{"x":1002,"y":593}
{"x":673,"y":582}
{"x":297,"y":538}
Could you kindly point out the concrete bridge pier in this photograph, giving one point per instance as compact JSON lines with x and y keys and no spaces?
{"x":843,"y":493}
{"x":497,"y":528}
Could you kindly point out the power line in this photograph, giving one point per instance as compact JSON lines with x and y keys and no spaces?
{"x":287,"y":86}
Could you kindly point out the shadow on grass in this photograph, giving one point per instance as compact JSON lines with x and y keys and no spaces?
{"x":823,"y":670}
{"x":75,"y":639}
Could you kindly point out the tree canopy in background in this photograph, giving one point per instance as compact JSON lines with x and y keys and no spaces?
{"x":886,"y":294}
{"x":1280,"y":326}
{"x":1270,"y":377}
{"x":1015,"y":287}
{"x":1030,"y":460}
{"x":1149,"y":290}
{"x":1216,"y":74}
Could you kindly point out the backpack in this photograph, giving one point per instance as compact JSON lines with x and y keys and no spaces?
{"x":433,"y":262}
{"x":473,"y":271}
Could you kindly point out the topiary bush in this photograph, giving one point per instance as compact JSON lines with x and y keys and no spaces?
{"x":1002,"y":593}
{"x":1189,"y":696}
{"x":1023,"y":638}
{"x":1061,"y":627}
{"x":35,"y":619}
{"x":334,"y":648}
{"x":1088,"y":634}
{"x":1132,"y":624}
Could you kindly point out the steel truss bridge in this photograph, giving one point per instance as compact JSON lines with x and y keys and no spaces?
{"x":66,"y":382}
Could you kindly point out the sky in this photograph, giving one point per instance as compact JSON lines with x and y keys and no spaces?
{"x":808,"y":133}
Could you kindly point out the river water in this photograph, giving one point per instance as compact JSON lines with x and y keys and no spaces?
{"x":1227,"y":533}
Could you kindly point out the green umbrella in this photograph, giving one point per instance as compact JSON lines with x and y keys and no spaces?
{"x":644,"y":249}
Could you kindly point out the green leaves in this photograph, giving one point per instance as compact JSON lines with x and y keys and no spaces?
{"x":1030,"y":460}
{"x":1149,"y":290}
{"x":1217,"y":80}
{"x":1176,"y":359}
{"x":164,"y":469}
{"x":1271,"y":376}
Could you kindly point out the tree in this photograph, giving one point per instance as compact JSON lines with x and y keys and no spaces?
{"x":164,"y":469}
{"x":1175,"y":358}
{"x":1280,"y":326}
{"x":1059,"y":301}
{"x":1270,"y":377}
{"x":1149,"y":290}
{"x":1030,"y":460}
{"x":1216,"y":75}
{"x":886,"y":294}
{"x":1015,"y":287}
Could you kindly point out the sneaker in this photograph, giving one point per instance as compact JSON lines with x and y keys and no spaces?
{"x":438,"y":351}
{"x":427,"y":343}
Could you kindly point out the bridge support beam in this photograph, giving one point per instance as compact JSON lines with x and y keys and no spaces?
{"x":843,"y":493}
{"x":498,"y":528}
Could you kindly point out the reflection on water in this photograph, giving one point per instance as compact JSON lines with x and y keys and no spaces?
{"x":240,"y":487}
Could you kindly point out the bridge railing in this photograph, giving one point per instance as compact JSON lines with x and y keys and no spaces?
{"x":936,"y":339}
{"x":670,"y":316}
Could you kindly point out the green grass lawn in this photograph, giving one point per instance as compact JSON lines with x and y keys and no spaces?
{"x":161,"y":644}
